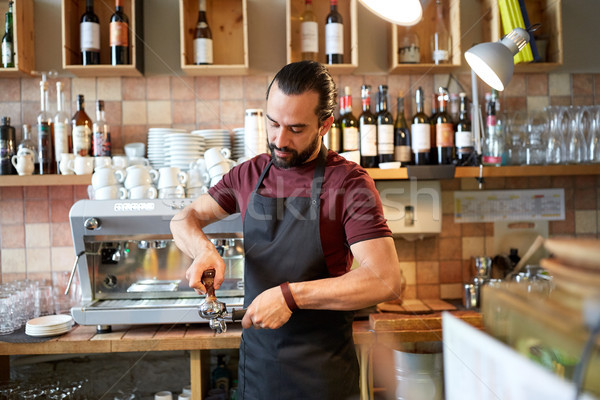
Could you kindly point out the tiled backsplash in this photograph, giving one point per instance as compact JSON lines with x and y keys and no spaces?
{"x":35,"y":235}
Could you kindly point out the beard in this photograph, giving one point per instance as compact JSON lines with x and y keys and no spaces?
{"x":295,"y":159}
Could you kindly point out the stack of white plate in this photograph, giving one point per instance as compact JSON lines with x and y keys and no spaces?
{"x":49,"y":325}
{"x":156,"y":146}
{"x":214,"y":137}
{"x":182,"y":148}
{"x":238,"y":149}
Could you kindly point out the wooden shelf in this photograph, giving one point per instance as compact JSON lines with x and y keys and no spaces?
{"x":424,"y":30}
{"x":228,"y":21}
{"x":71,"y":55}
{"x":23,"y":33}
{"x":295,"y":8}
{"x":45,"y":180}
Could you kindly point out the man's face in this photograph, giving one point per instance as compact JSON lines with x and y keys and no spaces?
{"x":293,"y":129}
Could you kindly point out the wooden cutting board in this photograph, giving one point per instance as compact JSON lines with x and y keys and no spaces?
{"x":419,"y":322}
{"x":412,"y":306}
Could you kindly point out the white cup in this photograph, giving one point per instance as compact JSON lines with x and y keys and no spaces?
{"x":137,"y":149}
{"x":171,"y":176}
{"x":81,"y":165}
{"x":119,"y":162}
{"x":23,"y":161}
{"x":142,"y":192}
{"x":138,"y":175}
{"x":215,"y":155}
{"x":138,"y":161}
{"x":163,"y":395}
{"x":102,"y":162}
{"x":220,"y":168}
{"x":184,"y":396}
{"x":197,"y":178}
{"x":176,"y":192}
{"x":63,"y":163}
{"x":110,"y":193}
{"x":107,"y":177}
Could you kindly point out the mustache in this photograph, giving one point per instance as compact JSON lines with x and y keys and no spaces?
{"x":284,"y":149}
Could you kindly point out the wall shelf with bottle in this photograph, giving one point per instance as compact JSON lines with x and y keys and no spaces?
{"x":321,"y":9}
{"x":22,"y":41}
{"x":45,"y":180}
{"x":403,"y":56}
{"x":72,"y":12}
{"x":548,"y":37}
{"x":228,"y":22}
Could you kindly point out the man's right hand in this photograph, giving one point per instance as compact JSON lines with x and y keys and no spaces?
{"x":206,"y":259}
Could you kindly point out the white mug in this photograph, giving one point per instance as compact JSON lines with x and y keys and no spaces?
{"x":81,"y":165}
{"x":138,"y":175}
{"x":171,"y":176}
{"x":23,"y":161}
{"x":137,"y":149}
{"x":138,"y":161}
{"x":142,"y":192}
{"x":220,"y":168}
{"x":215,"y":155}
{"x":197,"y":178}
{"x":119,"y":162}
{"x":107,"y":177}
{"x":102,"y":162}
{"x":110,"y":192}
{"x":176,"y":192}
{"x":64,"y":161}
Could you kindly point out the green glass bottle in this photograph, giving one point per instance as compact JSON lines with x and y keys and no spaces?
{"x":8,"y":55}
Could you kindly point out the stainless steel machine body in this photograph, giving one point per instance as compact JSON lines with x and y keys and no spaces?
{"x":130,"y":270}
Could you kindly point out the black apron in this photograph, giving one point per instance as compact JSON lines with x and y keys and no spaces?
{"x":312,"y":356}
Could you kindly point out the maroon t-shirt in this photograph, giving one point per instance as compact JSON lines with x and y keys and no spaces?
{"x":350,"y":205}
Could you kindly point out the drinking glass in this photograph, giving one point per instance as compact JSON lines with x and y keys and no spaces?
{"x":537,"y":127}
{"x":43,"y":301}
{"x":576,"y":143}
{"x":7,"y":307}
{"x":594,"y":136}
{"x":555,"y":143}
{"x":516,"y":135}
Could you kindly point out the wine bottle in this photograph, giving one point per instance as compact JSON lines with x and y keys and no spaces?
{"x":8,"y":56}
{"x":493,"y":146}
{"x":368,"y":131}
{"x":402,"y":151}
{"x":334,"y":35}
{"x":89,"y":35}
{"x":421,"y":131}
{"x":385,"y":127}
{"x":101,"y":133}
{"x":440,"y":39}
{"x":119,"y":36}
{"x":444,"y":130}
{"x":463,"y":138}
{"x":333,"y":137}
{"x":350,"y":136}
{"x":7,"y":147}
{"x":309,"y":33}
{"x":63,"y":141}
{"x":203,"y":43}
{"x":82,"y":130}
{"x":46,"y":164}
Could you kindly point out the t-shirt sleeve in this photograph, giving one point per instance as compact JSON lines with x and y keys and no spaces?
{"x":226,"y":190}
{"x":362,"y":212}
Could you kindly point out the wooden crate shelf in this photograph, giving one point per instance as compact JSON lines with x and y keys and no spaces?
{"x":295,"y":8}
{"x":424,"y":29}
{"x":228,"y":21}
{"x":23,"y":33}
{"x":71,"y":54}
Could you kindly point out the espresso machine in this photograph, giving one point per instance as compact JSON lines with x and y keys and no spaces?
{"x":131,"y":271}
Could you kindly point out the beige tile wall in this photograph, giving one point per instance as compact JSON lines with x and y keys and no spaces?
{"x":35,"y":237}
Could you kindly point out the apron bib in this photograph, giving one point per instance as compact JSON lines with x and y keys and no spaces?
{"x":312,"y":356}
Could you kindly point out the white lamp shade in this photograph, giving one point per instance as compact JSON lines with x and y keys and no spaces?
{"x":400,"y":12}
{"x":492,"y":62}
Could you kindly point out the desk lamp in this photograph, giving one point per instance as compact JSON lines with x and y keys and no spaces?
{"x":400,"y":12}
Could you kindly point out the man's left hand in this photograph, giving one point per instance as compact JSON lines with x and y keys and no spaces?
{"x":267,"y":311}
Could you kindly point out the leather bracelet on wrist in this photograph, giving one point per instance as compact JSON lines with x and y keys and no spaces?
{"x":287,"y":295}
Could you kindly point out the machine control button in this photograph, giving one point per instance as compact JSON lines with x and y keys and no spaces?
{"x":91,"y":224}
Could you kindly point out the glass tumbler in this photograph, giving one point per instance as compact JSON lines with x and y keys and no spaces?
{"x":576,"y":143}
{"x":555,"y":142}
{"x":594,"y":135}
{"x":43,"y":301}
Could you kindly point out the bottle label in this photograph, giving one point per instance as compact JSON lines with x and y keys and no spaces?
{"x":89,"y":36}
{"x":334,"y":38}
{"x":350,"y":138}
{"x":101,"y":144}
{"x":82,"y":136}
{"x":409,"y":54}
{"x":368,"y":140}
{"x":440,"y":55}
{"x":464,"y":139}
{"x":421,"y":138}
{"x":444,"y":135}
{"x":119,"y":34}
{"x":385,"y":139}
{"x":491,"y":120}
{"x":5,"y":152}
{"x":309,"y":37}
{"x":61,"y":144}
{"x":7,"y":53}
{"x":491,"y":160}
{"x":203,"y":51}
{"x":402,"y":153}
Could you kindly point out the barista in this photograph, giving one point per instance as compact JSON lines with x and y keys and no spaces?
{"x":306,"y":213}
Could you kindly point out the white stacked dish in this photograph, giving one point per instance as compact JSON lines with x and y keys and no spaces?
{"x":49,"y":325}
{"x":182,"y":148}
{"x":156,"y":145}
{"x":214,"y":137}
{"x":239,"y":148}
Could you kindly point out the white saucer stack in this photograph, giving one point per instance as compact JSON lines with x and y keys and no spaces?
{"x":49,"y":325}
{"x":238,"y":149}
{"x":214,"y":137}
{"x":156,"y":146}
{"x":182,"y":148}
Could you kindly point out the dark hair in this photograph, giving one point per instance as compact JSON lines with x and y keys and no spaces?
{"x":304,"y":76}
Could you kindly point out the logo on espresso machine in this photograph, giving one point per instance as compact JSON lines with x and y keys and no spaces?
{"x":138,"y":206}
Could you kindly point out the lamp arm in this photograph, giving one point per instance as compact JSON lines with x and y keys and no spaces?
{"x":476,"y":119}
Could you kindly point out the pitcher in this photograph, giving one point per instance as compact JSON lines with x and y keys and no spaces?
{"x":23,"y":161}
